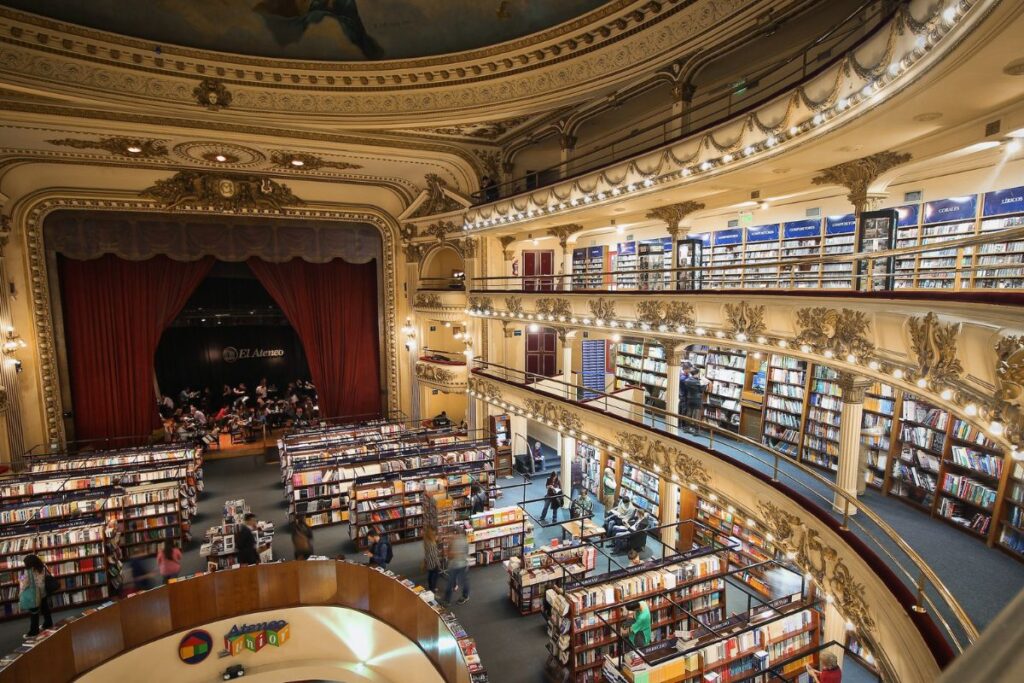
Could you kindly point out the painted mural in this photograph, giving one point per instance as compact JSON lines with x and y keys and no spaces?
{"x":333,"y":30}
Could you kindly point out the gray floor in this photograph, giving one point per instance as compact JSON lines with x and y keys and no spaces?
{"x":489,"y":616}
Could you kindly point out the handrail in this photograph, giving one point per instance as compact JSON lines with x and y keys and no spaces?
{"x":442,"y":357}
{"x":442,"y":284}
{"x":799,"y":270}
{"x":100,"y":637}
{"x":920,"y":575}
{"x":634,"y":137}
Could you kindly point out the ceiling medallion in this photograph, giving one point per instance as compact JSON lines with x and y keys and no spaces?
{"x":118,"y":146}
{"x":221,"y":192}
{"x":307,"y":162}
{"x":218,"y":154}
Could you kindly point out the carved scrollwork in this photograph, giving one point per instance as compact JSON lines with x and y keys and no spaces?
{"x":1010,"y":380}
{"x":427,"y":300}
{"x":655,"y":312}
{"x":559,"y":308}
{"x":563,"y":232}
{"x":841,"y":331}
{"x":212,"y":94}
{"x":673,"y":214}
{"x":934,"y":347}
{"x":437,"y":199}
{"x":506,"y":240}
{"x":481,"y":303}
{"x":4,"y":401}
{"x":601,"y":308}
{"x":557,"y":416}
{"x":514,"y":305}
{"x":469,"y":246}
{"x":654,"y":455}
{"x":413,"y":252}
{"x":811,"y":554}
{"x":408,"y":232}
{"x":221,"y":192}
{"x":441,"y":230}
{"x":742,"y":318}
{"x":858,"y":174}
{"x":435,"y":373}
{"x":118,"y":146}
{"x":487,"y":390}
{"x":303,"y":161}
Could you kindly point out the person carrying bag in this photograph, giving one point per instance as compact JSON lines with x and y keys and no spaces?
{"x":36,"y":584}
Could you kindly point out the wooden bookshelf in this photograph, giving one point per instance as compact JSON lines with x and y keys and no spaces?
{"x":820,"y":445}
{"x":881,"y":404}
{"x":725,"y":370}
{"x":536,"y":571}
{"x":785,"y":390}
{"x":752,"y":548}
{"x":640,"y":364}
{"x":915,"y":470}
{"x":498,"y":535}
{"x":644,"y":488}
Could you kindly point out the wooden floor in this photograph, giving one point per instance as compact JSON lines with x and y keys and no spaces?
{"x":240,"y":450}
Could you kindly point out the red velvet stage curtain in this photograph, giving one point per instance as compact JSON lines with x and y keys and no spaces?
{"x":333,"y":307}
{"x":115,"y":311}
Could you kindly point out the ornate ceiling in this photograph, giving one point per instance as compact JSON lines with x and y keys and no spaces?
{"x":322,"y":30}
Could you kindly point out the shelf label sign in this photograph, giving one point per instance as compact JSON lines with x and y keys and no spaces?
{"x":954,"y":209}
{"x":626,"y":248}
{"x":1004,"y":201}
{"x":840,"y":225}
{"x":801,"y":229}
{"x":906,"y":216}
{"x":763,"y":233}
{"x":704,"y":237}
{"x":254,"y":637}
{"x":734,"y":236}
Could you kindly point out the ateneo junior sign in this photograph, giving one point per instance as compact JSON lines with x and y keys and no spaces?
{"x":231,"y":354}
{"x":254,"y":637}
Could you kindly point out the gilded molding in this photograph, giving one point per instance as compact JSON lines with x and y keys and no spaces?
{"x":437,"y":199}
{"x":672,"y":314}
{"x":652,"y":454}
{"x":441,"y":230}
{"x":481,"y":303}
{"x":553,"y":414}
{"x":32,"y":214}
{"x":934,"y":347}
{"x":563,"y":232}
{"x":505,"y":241}
{"x":556,"y":307}
{"x":487,"y":390}
{"x":4,"y":401}
{"x":853,"y":387}
{"x":841,"y":331}
{"x":469,"y":246}
{"x":673,"y":214}
{"x":307,"y":162}
{"x":427,"y":300}
{"x":1010,"y":379}
{"x":413,"y":252}
{"x":226,"y":192}
{"x":601,"y":308}
{"x":823,"y":562}
{"x":118,"y":146}
{"x":489,"y":162}
{"x":858,"y":174}
{"x":212,"y":94}
{"x":742,"y":318}
{"x":435,"y":373}
{"x":514,"y":305}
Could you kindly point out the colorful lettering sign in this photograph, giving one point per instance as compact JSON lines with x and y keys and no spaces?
{"x":704,"y":237}
{"x":254,"y":637}
{"x":195,"y":647}
{"x":906,"y":216}
{"x":734,"y":236}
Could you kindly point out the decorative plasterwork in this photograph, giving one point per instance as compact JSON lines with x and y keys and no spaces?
{"x":32,"y":214}
{"x":652,"y":454}
{"x":223,"y":192}
{"x":212,"y":94}
{"x":857,"y":175}
{"x":414,"y":252}
{"x":427,"y":300}
{"x":441,"y":230}
{"x":487,"y":390}
{"x":742,"y":318}
{"x":553,"y":414}
{"x":853,"y":387}
{"x":118,"y":146}
{"x":601,"y":308}
{"x":4,"y":402}
{"x":841,"y":331}
{"x":1010,"y":376}
{"x":673,"y":214}
{"x":555,"y":307}
{"x":506,"y":240}
{"x":671,"y":314}
{"x":807,"y":549}
{"x":490,"y":163}
{"x":514,"y":305}
{"x":481,"y":303}
{"x":486,"y":130}
{"x":307,"y":162}
{"x":441,"y":376}
{"x":934,"y":347}
{"x":437,"y":199}
{"x":563,"y":232}
{"x":218,"y":154}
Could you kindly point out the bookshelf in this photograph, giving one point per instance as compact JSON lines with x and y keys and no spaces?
{"x":625,"y":264}
{"x":588,"y":264}
{"x":501,"y":441}
{"x":73,"y":551}
{"x":593,"y":608}
{"x":752,"y":548}
{"x":1011,"y":532}
{"x":839,"y":236}
{"x":785,"y":390}
{"x":643,"y":365}
{"x":944,"y":220}
{"x":654,"y":254}
{"x":801,"y":239}
{"x":1000,"y":265}
{"x":880,"y":405}
{"x":725,"y":370}
{"x":972,"y":469}
{"x":591,"y":462}
{"x":858,"y":649}
{"x":498,"y":535}
{"x":908,"y":233}
{"x":383,"y":505}
{"x":915,"y":471}
{"x":151,"y":515}
{"x":531,"y":575}
{"x":644,"y":488}
{"x":726,"y":253}
{"x":762,"y":246}
{"x":821,"y":426}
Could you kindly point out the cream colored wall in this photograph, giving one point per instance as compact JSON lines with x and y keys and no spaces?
{"x":326,"y":643}
{"x":453,"y":404}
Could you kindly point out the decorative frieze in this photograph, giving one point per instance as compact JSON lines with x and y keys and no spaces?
{"x":673,"y":214}
{"x":1010,"y":379}
{"x":742,"y":318}
{"x":212,"y":94}
{"x":514,"y":305}
{"x":481,"y":303}
{"x":556,"y":307}
{"x":934,"y":346}
{"x":653,"y":454}
{"x":427,"y":300}
{"x":553,"y":414}
{"x":435,"y":373}
{"x":858,"y":174}
{"x":671,"y":314}
{"x":437,"y":199}
{"x":134,"y":148}
{"x":226,"y":192}
{"x":601,"y":308}
{"x":563,"y":232}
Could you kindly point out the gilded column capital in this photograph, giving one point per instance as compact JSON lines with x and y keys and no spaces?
{"x":505,"y":241}
{"x":853,"y":387}
{"x":673,"y":214}
{"x":508,"y":328}
{"x":562,"y":232}
{"x":857,"y":175}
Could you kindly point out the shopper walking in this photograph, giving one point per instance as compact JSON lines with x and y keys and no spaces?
{"x":168,"y":561}
{"x":431,"y":557}
{"x":380,"y":553}
{"x":302,"y":537}
{"x":33,"y":597}
{"x":552,"y":497}
{"x":245,"y":541}
{"x":458,"y":568}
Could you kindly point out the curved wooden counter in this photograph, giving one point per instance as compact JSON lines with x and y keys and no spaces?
{"x":107,"y":633}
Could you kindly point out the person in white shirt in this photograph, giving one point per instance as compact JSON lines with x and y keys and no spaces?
{"x":199,"y":416}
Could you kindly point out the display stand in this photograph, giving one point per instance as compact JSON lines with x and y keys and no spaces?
{"x":501,"y":442}
{"x":749,"y":547}
{"x":531,"y":575}
{"x":498,"y":535}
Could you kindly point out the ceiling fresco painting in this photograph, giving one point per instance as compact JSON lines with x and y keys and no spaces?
{"x":331,"y":30}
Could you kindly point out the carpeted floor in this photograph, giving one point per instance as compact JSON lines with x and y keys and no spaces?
{"x":513,"y":647}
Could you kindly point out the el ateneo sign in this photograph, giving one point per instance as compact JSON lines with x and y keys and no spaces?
{"x":254,"y":637}
{"x":231,"y":354}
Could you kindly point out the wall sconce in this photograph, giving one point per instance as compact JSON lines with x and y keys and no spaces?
{"x":12,"y":342}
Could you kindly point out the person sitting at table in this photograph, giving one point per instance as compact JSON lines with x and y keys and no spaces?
{"x":198,"y":416}
{"x":618,"y":514}
{"x":442,"y":420}
{"x":582,"y":505}
{"x":300,"y":418}
{"x":639,"y":525}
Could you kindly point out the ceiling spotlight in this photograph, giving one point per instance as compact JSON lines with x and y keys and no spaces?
{"x":134,"y":149}
{"x":298,"y":162}
{"x":221,"y":158}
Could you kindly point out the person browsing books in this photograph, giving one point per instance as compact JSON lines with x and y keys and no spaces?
{"x":245,"y":541}
{"x":638,"y":633}
{"x":302,"y":537}
{"x":552,"y":497}
{"x":168,"y":561}
{"x":829,"y":672}
{"x":380,"y":549}
{"x":33,"y":596}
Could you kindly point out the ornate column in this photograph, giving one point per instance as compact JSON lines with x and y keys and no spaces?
{"x":669,"y":503}
{"x":673,"y":358}
{"x":851,"y":469}
{"x":834,"y":629}
{"x":567,"y":444}
{"x":10,"y":400}
{"x":673,"y":215}
{"x":566,"y":337}
{"x":507,"y":257}
{"x":562,"y":232}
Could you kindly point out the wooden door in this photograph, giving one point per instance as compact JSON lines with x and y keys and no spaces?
{"x":537,"y":263}
{"x":541,"y":352}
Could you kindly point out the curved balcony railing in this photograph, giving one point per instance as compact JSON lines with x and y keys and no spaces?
{"x":746,"y":92}
{"x":930,"y":593}
{"x":949,"y":266}
{"x":442,"y":284}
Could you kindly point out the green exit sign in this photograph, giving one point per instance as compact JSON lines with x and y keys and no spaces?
{"x":747,"y":218}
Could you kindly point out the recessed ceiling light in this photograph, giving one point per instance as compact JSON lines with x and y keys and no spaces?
{"x":298,"y":162}
{"x":979,"y":146}
{"x":134,"y":149}
{"x":1019,"y":133}
{"x":221,"y":158}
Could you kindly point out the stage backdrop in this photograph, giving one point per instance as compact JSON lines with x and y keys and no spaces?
{"x":201,"y":357}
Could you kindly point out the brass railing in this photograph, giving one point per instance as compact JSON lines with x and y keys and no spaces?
{"x":932,"y":596}
{"x":863,"y":272}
